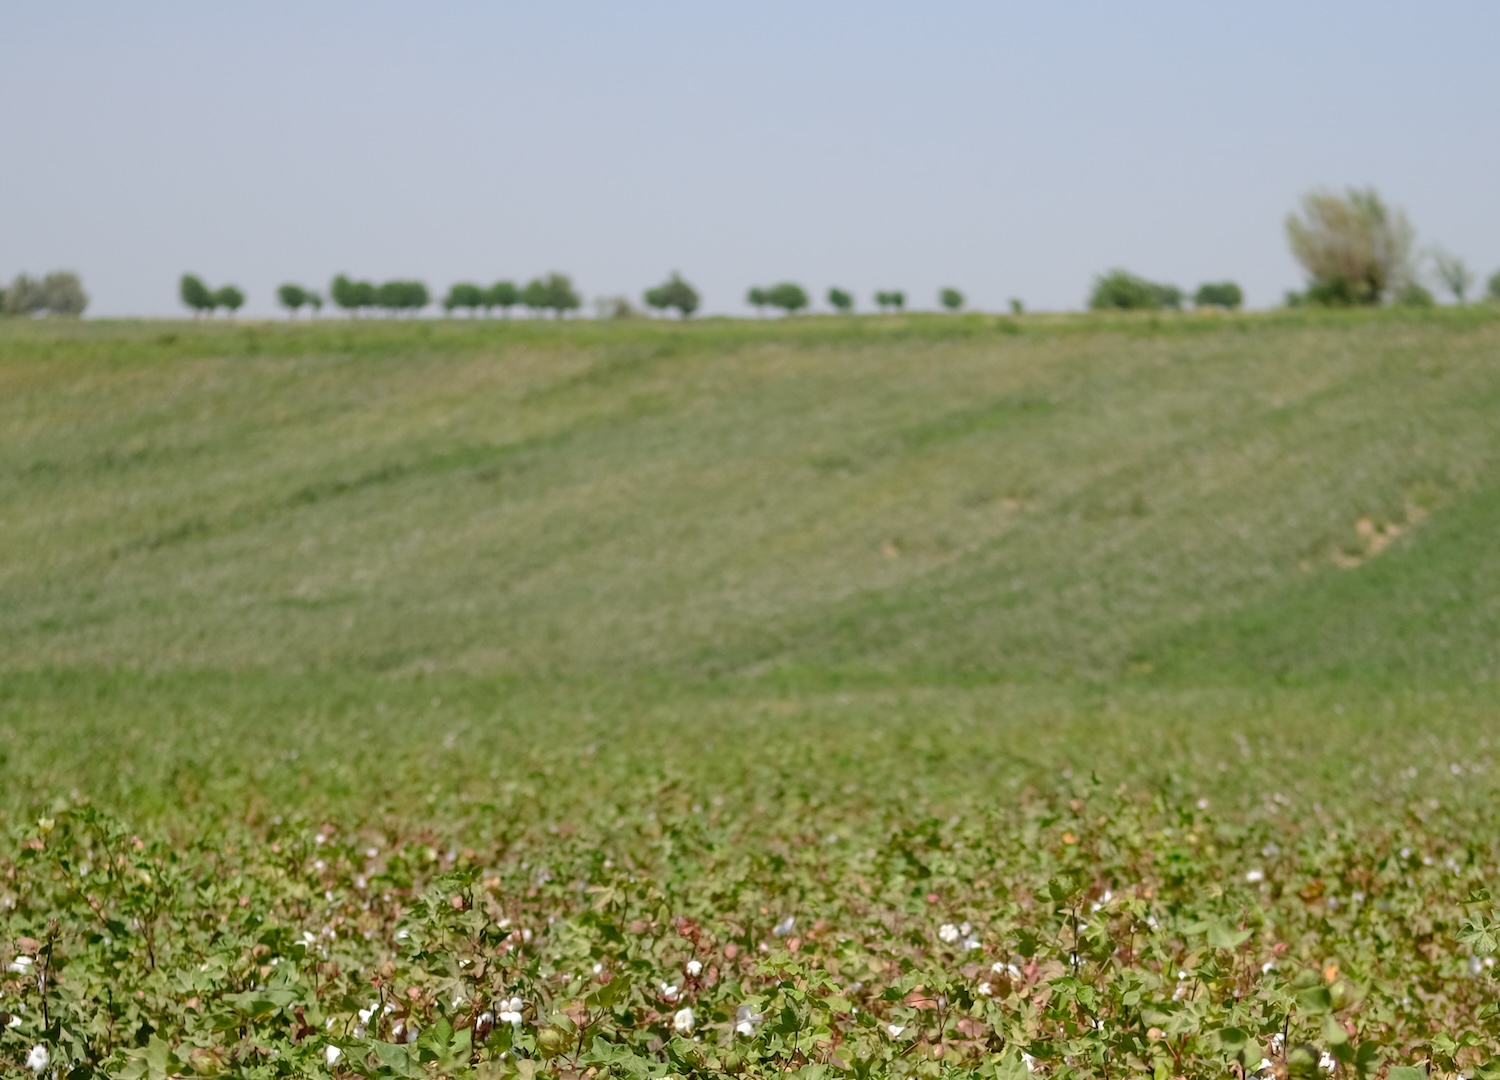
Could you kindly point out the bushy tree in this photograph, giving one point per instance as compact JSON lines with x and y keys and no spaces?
{"x":196,"y":295}
{"x":1453,"y":272}
{"x":554,"y":293}
{"x":1492,"y":288}
{"x":1414,"y":294}
{"x":1120,"y":290}
{"x":1354,"y":249}
{"x":1017,"y":307}
{"x":673,"y":294}
{"x":840,"y":301}
{"x":893,"y":300}
{"x":759,"y":299}
{"x":788,"y":296}
{"x":292,"y":297}
{"x":503,"y":295}
{"x":1222,"y":294}
{"x":62,"y":294}
{"x":463,"y":295}
{"x":229,"y":297}
{"x":24,"y":296}
{"x":398,"y":296}
{"x":951,"y":299}
{"x":315,"y":302}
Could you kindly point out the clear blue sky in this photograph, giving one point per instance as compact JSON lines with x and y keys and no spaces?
{"x":1007,"y":149}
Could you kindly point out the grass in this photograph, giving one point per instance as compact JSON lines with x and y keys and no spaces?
{"x":880,"y":624}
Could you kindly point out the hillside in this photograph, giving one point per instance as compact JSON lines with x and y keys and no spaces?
{"x":910,"y":500}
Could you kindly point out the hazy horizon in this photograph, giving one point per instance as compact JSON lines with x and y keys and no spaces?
{"x":1007,"y":151}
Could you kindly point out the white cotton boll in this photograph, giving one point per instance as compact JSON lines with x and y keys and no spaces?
{"x":969,"y":944}
{"x":331,"y":1054}
{"x":895,"y":1030}
{"x":668,"y":991}
{"x":1326,"y":1062}
{"x":1029,"y":1061}
{"x":745,"y":1028}
{"x":985,"y":990}
{"x":1266,"y":1065}
{"x":1255,"y":876}
{"x":21,"y":965}
{"x":694,"y":968}
{"x":412,"y":1031}
{"x":38,"y":1060}
{"x":948,"y":932}
{"x":683,"y":1021}
{"x":785,"y":926}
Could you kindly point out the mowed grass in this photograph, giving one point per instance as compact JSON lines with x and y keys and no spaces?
{"x":882,"y":625}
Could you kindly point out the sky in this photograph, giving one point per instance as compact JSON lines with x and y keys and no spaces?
{"x":1005,"y":149}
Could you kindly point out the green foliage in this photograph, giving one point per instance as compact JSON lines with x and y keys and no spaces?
{"x":554,"y":293}
{"x":503,"y":295}
{"x":196,"y":295}
{"x":1492,"y":288}
{"x":402,"y":296}
{"x":673,"y":294}
{"x":292,"y":297}
{"x":1454,"y":273}
{"x":1355,"y":250}
{"x":1414,"y":295}
{"x":890,"y":300}
{"x":1223,"y":294}
{"x":59,"y":293}
{"x":840,"y":300}
{"x":1017,"y":307}
{"x":352,"y":296}
{"x":758,"y":298}
{"x":464,"y":295}
{"x":229,"y":297}
{"x":788,"y":296}
{"x":951,"y":299}
{"x":1120,"y":290}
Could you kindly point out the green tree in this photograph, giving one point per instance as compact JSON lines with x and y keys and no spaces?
{"x":464,"y":295}
{"x":1454,"y":273}
{"x":890,"y":300}
{"x":951,"y":299}
{"x":62,"y":294}
{"x":1414,"y":294}
{"x":503,"y":295}
{"x":759,"y":299}
{"x":195,"y":294}
{"x":788,"y":296}
{"x":229,"y":297}
{"x":24,"y":296}
{"x":1492,"y":287}
{"x":315,"y":302}
{"x":840,"y":301}
{"x":345,"y":294}
{"x":1017,"y":307}
{"x":553,"y":293}
{"x":292,"y":297}
{"x":1222,"y":294}
{"x":1120,"y":290}
{"x":674,"y":293}
{"x":1354,"y":249}
{"x":364,"y":295}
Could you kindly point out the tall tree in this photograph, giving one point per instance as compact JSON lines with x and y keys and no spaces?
{"x":195,"y":294}
{"x":503,"y":295}
{"x":229,"y":297}
{"x":788,"y":296}
{"x":346,"y":294}
{"x":951,"y":299}
{"x":676,"y":294}
{"x":839,"y":300}
{"x":1355,"y":250}
{"x":292,"y":298}
{"x":759,"y":299}
{"x":463,"y":295}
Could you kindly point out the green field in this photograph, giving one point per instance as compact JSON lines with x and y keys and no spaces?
{"x":1085,"y":696}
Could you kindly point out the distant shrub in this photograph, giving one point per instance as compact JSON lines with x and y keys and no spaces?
{"x":398,"y":296}
{"x":840,"y":301}
{"x":59,"y":293}
{"x":503,"y":295}
{"x":230,"y":298}
{"x":1016,"y":307}
{"x":951,"y":299}
{"x":314,"y":301}
{"x":554,"y":293}
{"x":1120,"y":290}
{"x":673,"y":294}
{"x":196,"y":295}
{"x":352,"y":296}
{"x":464,"y":295}
{"x":758,"y":298}
{"x":1414,"y":295}
{"x":1492,"y":288}
{"x":1223,"y":294}
{"x":1454,"y":273}
{"x":788,"y":296}
{"x":292,"y":297}
{"x":1354,"y":249}
{"x":890,"y":300}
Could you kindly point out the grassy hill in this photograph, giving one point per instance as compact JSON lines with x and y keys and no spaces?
{"x":915,"y":500}
{"x":817,"y":697}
